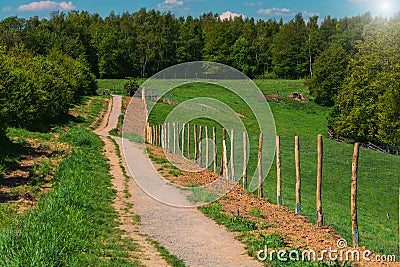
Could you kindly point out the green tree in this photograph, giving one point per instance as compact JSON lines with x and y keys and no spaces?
{"x":331,"y":69}
{"x":219,"y":38}
{"x":290,"y":57}
{"x":262,"y":45}
{"x":242,"y":56}
{"x":190,"y":42}
{"x":367,"y":106}
{"x":314,"y":42}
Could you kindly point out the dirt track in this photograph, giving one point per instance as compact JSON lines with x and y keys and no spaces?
{"x":148,"y":255}
{"x":185,"y":232}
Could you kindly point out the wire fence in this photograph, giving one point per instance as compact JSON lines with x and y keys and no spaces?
{"x":377,"y":180}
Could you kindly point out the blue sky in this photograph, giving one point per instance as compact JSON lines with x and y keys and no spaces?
{"x":259,"y":9}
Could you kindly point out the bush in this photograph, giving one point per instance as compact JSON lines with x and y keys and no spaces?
{"x":37,"y":88}
{"x":131,"y":86}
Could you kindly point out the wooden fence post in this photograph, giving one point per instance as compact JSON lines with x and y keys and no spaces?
{"x":153,"y":135}
{"x":232,"y":154}
{"x":174,"y":135}
{"x":207,"y":154}
{"x":260,"y":174}
{"x":162,"y":135}
{"x":168,"y":137}
{"x":165,"y":136}
{"x":188,"y":141}
{"x":278,"y":171}
{"x":183,"y":141}
{"x":297,"y":160}
{"x":320,"y":216}
{"x":244,"y":161}
{"x":177,"y":138}
{"x":354,"y":174}
{"x":200,"y":146}
{"x":224,"y":156}
{"x":145,"y":133}
{"x":159,"y":135}
{"x":156,"y":135}
{"x":215,"y":148}
{"x":195,"y":141}
{"x":148,"y":133}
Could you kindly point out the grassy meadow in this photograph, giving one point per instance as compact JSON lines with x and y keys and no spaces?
{"x":378,"y":205}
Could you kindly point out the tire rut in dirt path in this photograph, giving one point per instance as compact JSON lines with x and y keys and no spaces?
{"x":123,"y":203}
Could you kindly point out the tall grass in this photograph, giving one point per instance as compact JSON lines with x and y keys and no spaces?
{"x":73,"y":224}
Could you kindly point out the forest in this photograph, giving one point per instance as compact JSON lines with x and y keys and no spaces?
{"x":350,"y":64}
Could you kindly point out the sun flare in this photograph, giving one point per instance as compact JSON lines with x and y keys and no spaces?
{"x":386,"y":5}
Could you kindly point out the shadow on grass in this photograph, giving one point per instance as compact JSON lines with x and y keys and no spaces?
{"x":10,"y":153}
{"x":12,"y":174}
{"x":47,"y":126}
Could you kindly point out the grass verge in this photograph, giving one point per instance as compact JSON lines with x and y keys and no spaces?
{"x":72,"y":225}
{"x":171,"y":259}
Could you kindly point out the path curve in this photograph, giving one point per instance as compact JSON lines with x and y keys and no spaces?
{"x":184,"y":232}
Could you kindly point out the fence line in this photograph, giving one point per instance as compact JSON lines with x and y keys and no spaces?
{"x":163,"y":135}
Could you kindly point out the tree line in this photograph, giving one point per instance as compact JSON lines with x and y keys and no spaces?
{"x":142,"y":43}
{"x":348,"y":63}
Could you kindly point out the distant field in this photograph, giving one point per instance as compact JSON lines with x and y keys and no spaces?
{"x":113,"y":86}
{"x":378,"y":187}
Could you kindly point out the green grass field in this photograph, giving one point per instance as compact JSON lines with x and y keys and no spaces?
{"x":378,"y":188}
{"x":113,"y":86}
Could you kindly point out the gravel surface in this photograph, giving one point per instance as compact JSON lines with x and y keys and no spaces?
{"x":147,"y":253}
{"x":184,"y":232}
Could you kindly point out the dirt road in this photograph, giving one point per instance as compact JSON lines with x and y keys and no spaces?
{"x":184,"y":232}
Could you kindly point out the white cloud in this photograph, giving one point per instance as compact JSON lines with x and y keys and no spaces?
{"x":274,"y":11}
{"x":67,"y":6}
{"x":169,"y":4}
{"x":46,"y":5}
{"x":230,"y":15}
{"x":7,"y":9}
{"x":253,"y":3}
{"x":173,"y":2}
